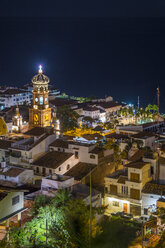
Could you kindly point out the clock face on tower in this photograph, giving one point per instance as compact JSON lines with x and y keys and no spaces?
{"x":45,"y":99}
{"x":46,"y":117}
{"x":36,"y":99}
{"x":35,"y":117}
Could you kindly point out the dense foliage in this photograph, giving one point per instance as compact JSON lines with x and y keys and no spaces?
{"x":62,"y":223}
{"x":68,"y":118}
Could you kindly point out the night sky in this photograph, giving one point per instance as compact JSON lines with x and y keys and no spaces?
{"x":87,"y":48}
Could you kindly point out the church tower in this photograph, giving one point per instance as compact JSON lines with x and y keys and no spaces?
{"x":40,"y":113}
{"x":17,"y":121}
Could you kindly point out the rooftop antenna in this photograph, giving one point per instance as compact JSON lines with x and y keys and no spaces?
{"x":158,"y":95}
{"x":138,"y":103}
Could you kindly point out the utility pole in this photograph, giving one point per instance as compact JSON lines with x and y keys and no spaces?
{"x":90,"y":217}
{"x":138,"y":103}
{"x":158,"y":94}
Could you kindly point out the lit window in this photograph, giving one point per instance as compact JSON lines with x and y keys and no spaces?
{"x":41,"y":100}
{"x":115,"y":203}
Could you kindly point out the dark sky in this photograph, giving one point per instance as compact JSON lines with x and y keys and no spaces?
{"x":86,"y":47}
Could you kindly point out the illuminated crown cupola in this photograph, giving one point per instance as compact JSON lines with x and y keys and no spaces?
{"x":40,"y":114}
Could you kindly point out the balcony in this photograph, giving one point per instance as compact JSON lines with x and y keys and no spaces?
{"x":123,"y":197}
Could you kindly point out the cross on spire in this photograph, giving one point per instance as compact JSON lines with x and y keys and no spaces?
{"x":40,"y":69}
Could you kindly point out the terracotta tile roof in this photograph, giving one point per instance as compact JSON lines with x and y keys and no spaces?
{"x":150,"y":124}
{"x":154,"y":188}
{"x":5,"y":144}
{"x":82,"y":191}
{"x":143,"y":135}
{"x":122,"y":179}
{"x":110,"y":104}
{"x":12,"y":92}
{"x":59,"y":102}
{"x":90,"y":108}
{"x":36,"y":131}
{"x":118,"y":173}
{"x":136,"y":164}
{"x":3,"y":195}
{"x":116,"y":136}
{"x":97,"y":150}
{"x":137,"y":156}
{"x":80,"y":170}
{"x":53,"y":159}
{"x":12,"y":172}
{"x":60,"y":143}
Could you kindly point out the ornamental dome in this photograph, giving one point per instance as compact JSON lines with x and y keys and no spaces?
{"x":3,"y":127}
{"x":40,"y":78}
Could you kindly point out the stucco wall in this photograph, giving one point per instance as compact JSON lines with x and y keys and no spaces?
{"x":6,"y":207}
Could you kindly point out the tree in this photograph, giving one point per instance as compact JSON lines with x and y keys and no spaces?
{"x":63,"y":223}
{"x":68,"y":118}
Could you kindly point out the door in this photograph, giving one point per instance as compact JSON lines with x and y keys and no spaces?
{"x":125,"y":206}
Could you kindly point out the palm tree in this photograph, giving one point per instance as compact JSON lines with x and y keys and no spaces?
{"x":61,"y":198}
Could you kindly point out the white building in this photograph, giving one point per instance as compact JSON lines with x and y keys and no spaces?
{"x":151,"y":193}
{"x":12,"y":96}
{"x":11,"y":204}
{"x":16,"y":175}
{"x":31,"y":146}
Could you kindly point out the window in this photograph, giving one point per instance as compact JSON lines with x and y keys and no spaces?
{"x":113,"y":189}
{"x":59,"y":168}
{"x":68,"y":167}
{"x":76,"y":154}
{"x":135,"y":177}
{"x":152,"y":170}
{"x":15,"y":200}
{"x":145,"y":211}
{"x":41,"y":100}
{"x":43,"y":171}
{"x":115,"y":203}
{"x":37,"y":169}
{"x":124,"y":190}
{"x":50,"y":171}
{"x":135,"y":194}
{"x":92,"y":156}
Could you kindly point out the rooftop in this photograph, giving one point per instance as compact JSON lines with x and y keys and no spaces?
{"x":5,"y":144}
{"x":118,"y":174}
{"x":3,"y":195}
{"x":52,"y":159}
{"x":60,"y":143}
{"x":91,"y":108}
{"x":150,"y":124}
{"x":137,"y":156}
{"x":12,"y":172}
{"x":36,"y":131}
{"x":82,"y":191}
{"x":154,"y":188}
{"x":109,"y":104}
{"x":143,"y":135}
{"x":12,"y":92}
{"x":136,"y":165}
{"x":80,"y":170}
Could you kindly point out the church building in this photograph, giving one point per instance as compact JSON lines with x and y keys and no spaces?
{"x":40,"y":113}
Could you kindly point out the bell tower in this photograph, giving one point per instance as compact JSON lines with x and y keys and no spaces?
{"x":40,"y":113}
